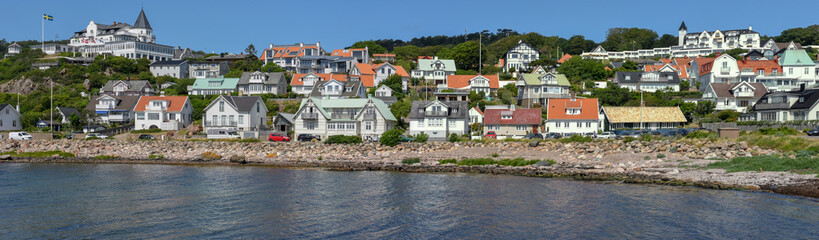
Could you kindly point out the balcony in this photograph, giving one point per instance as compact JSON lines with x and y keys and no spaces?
{"x":725,"y":70}
{"x":311,"y":115}
{"x":435,"y":113}
{"x":766,"y":106}
{"x":369,"y":116}
{"x":220,"y":124}
{"x":744,"y":94}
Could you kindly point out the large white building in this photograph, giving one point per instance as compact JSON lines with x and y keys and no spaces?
{"x":365,"y":117}
{"x":168,"y":113}
{"x":572,"y":115}
{"x":121,"y":39}
{"x":234,"y":114}
{"x":520,"y":56}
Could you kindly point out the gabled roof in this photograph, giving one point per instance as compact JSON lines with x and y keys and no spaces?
{"x":67,"y":112}
{"x":478,"y":110}
{"x":683,"y":61}
{"x":681,"y":70}
{"x":297,"y":78}
{"x":177,"y":103}
{"x":142,"y":21}
{"x":240,"y":103}
{"x":798,"y":57}
{"x":5,"y":105}
{"x":271,"y":78}
{"x":462,"y":81}
{"x":426,"y":64}
{"x":124,"y":103}
{"x":224,"y":83}
{"x":289,"y":117}
{"x":564,"y":58}
{"x":534,"y":79}
{"x":168,"y":63}
{"x":683,"y":27}
{"x":520,"y":116}
{"x":365,"y":68}
{"x":346,"y":52}
{"x":354,"y":86}
{"x":133,"y":85}
{"x":588,"y":108}
{"x":649,"y":114}
{"x":726,"y":90}
{"x":325,"y":104}
{"x":456,"y":109}
{"x":755,"y":65}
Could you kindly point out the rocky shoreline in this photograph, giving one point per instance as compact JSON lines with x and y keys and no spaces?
{"x":629,"y":162}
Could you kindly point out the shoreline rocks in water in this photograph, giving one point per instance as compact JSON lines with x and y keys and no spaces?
{"x":658,"y":162}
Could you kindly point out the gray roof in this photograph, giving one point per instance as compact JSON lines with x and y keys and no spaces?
{"x":242,"y":103}
{"x":355,"y":85}
{"x":461,"y":106}
{"x":289,"y":117}
{"x":4,"y":105}
{"x":185,"y":53}
{"x":67,"y":112}
{"x":166,"y":63}
{"x":136,"y":85}
{"x":426,"y":64}
{"x":637,"y":77}
{"x":617,"y":64}
{"x":388,"y":100}
{"x":126,"y":103}
{"x":142,"y":21}
{"x":273,"y":78}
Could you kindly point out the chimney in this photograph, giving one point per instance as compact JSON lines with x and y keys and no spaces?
{"x":161,"y":93}
{"x":511,"y":107}
{"x":750,"y":28}
{"x":271,"y":45}
{"x":802,"y":87}
{"x":301,"y":44}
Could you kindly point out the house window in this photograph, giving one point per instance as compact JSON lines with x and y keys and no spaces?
{"x":153,"y":116}
{"x":171,"y":116}
{"x":215,"y":120}
{"x":421,"y":122}
{"x":806,"y":71}
{"x":790,"y":70}
{"x":588,"y":124}
{"x":13,"y":123}
{"x":257,"y":107}
{"x":241,"y":119}
{"x":224,"y":119}
{"x":140,"y":116}
{"x":368,"y":125}
{"x":232,"y":120}
{"x":1,"y":122}
{"x":579,"y":125}
{"x":566,"y":124}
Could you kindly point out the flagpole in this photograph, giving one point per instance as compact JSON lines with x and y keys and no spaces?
{"x":51,"y":112}
{"x":42,"y":38}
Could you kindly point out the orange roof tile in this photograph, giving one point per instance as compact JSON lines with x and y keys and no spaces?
{"x":462,"y":81}
{"x":588,"y":108}
{"x":564,"y":58}
{"x":348,"y":53}
{"x":755,"y":65}
{"x":365,"y":68}
{"x":367,"y":80}
{"x":177,"y":103}
{"x":383,"y":55}
{"x":665,"y":60}
{"x":400,"y":71}
{"x":683,"y":61}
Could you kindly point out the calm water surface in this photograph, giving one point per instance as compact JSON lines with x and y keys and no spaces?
{"x":179,"y":202}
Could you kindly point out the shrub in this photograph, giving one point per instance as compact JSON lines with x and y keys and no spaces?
{"x":516,"y":162}
{"x":421,"y":137}
{"x":391,"y":137}
{"x":476,"y":161}
{"x":249,"y":140}
{"x":647,"y":157}
{"x":494,"y":155}
{"x":701,"y":134}
{"x":769,"y":163}
{"x":660,"y":155}
{"x":576,"y":138}
{"x":504,"y":162}
{"x":152,"y":156}
{"x":411,"y":160}
{"x":155,"y":130}
{"x":777,"y":131}
{"x":629,"y":139}
{"x":319,"y":158}
{"x":341,"y":139}
{"x":454,"y":138}
{"x":445,"y":161}
{"x":645,"y":137}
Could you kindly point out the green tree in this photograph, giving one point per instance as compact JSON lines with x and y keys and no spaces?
{"x":806,"y":36}
{"x":272,"y":67}
{"x":735,"y":53}
{"x":251,"y":50}
{"x":627,"y":39}
{"x":667,"y":40}
{"x":391,"y":137}
{"x":578,"y":44}
{"x":466,"y":55}
{"x":630,"y":65}
{"x":577,"y":69}
{"x":685,"y":85}
{"x":372,"y":46}
{"x":409,"y":52}
{"x":76,"y":121}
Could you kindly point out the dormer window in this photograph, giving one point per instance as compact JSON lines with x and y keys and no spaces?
{"x":506,"y":116}
{"x":801,"y":99}
{"x":628,"y":77}
{"x":221,"y":106}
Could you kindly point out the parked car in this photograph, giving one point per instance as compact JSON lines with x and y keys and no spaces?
{"x":20,"y":136}
{"x":491,"y":134}
{"x":405,"y":139}
{"x":278,"y":137}
{"x":308,"y":138}
{"x":606,"y":135}
{"x":146,"y":137}
{"x":96,"y":135}
{"x":533,"y":136}
{"x":814,"y":132}
{"x":553,"y":135}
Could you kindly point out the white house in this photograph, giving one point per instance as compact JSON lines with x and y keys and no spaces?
{"x":572,"y":115}
{"x":120,"y":39}
{"x":794,"y":105}
{"x":520,"y":56}
{"x":127,"y":88}
{"x":168,"y":113}
{"x":303,"y":83}
{"x":208,"y":69}
{"x":175,"y":68}
{"x":434,"y":69}
{"x":535,"y":88}
{"x":113,"y":109}
{"x":796,"y":64}
{"x":734,"y":96}
{"x":648,"y":81}
{"x":439,"y":119}
{"x":722,"y":69}
{"x":14,"y":49}
{"x":335,"y":89}
{"x":372,"y":75}
{"x":478,"y":83}
{"x":261,"y":83}
{"x":475,"y":116}
{"x":9,"y":118}
{"x":365,"y":117}
{"x":241,"y":114}
{"x":290,"y":57}
{"x":213,"y":86}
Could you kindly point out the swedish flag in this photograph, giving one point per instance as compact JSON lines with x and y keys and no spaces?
{"x":48,"y":17}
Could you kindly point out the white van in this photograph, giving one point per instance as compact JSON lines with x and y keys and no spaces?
{"x":20,"y":136}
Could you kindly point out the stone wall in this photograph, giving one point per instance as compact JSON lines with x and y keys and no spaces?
{"x":748,"y":128}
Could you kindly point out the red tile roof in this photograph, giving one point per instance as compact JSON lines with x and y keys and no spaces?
{"x":704,"y":65}
{"x":425,"y":57}
{"x":478,"y":110}
{"x":177,"y":103}
{"x":588,"y":108}
{"x":367,"y":80}
{"x":665,"y":60}
{"x":520,"y":116}
{"x":383,"y":55}
{"x":755,"y":65}
{"x":564,"y":58}
{"x":365,"y":68}
{"x":297,"y":78}
{"x":683,"y":61}
{"x":462,"y":81}
{"x":348,"y":53}
{"x":400,"y":71}
{"x":682,"y":70}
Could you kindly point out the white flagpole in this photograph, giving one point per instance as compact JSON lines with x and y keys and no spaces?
{"x":42,"y":38}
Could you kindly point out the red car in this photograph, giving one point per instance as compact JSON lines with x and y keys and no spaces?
{"x":278,"y":137}
{"x":491,"y":134}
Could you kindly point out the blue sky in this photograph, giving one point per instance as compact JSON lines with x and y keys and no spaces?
{"x":229,"y":26}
